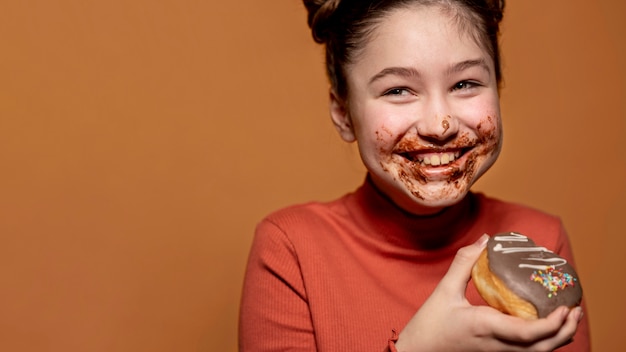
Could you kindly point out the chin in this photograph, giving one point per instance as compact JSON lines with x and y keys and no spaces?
{"x":439,"y":201}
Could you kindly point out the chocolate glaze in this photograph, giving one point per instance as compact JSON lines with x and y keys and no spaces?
{"x":513,"y":258}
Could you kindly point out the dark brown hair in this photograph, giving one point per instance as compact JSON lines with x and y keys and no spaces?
{"x":343,"y":26}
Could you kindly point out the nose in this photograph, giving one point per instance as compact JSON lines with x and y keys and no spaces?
{"x":438,"y":123}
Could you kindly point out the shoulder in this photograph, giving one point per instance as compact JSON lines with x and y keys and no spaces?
{"x":298,"y":222}
{"x":306,"y":214}
{"x":293,"y":235}
{"x":512,"y":210}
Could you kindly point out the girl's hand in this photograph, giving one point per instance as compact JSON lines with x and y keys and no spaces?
{"x":447,"y":321}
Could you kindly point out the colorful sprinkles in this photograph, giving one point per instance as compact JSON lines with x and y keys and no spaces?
{"x":553,"y":279}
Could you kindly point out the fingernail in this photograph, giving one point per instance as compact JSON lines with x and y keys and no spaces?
{"x":565,"y":312}
{"x":579,"y":313}
{"x":482,"y":241}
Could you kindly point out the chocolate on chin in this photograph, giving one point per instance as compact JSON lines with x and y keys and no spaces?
{"x":517,"y":277}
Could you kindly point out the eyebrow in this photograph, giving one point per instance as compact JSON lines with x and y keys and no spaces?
{"x":395,"y":71}
{"x":411,"y":72}
{"x":464,"y":65}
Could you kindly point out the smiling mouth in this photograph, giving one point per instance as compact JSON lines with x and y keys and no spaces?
{"x":433,"y":158}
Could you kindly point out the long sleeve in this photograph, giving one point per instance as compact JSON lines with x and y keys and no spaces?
{"x":340,"y":276}
{"x":274,"y":311}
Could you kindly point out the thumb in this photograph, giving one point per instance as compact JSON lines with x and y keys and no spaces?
{"x":460,"y":270}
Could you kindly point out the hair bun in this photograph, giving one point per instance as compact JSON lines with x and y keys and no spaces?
{"x":320,"y":13}
{"x":497,"y":8}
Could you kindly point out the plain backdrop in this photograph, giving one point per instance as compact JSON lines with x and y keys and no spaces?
{"x":141,"y":141}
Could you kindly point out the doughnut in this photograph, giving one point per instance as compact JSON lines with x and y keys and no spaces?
{"x":519,"y":278}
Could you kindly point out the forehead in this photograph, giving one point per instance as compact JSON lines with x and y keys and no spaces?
{"x":419,"y":33}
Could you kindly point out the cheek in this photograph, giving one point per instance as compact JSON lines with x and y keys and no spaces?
{"x":380,"y":131}
{"x":381,"y":147}
{"x":483,"y":113}
{"x":489,"y":132}
{"x":383,"y":134}
{"x":383,"y":144}
{"x":388,"y":133}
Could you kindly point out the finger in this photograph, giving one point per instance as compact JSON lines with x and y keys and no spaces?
{"x":461,"y":268}
{"x":522,"y":331}
{"x":565,"y":335}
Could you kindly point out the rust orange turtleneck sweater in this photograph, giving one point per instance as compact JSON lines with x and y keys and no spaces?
{"x":339,"y":276}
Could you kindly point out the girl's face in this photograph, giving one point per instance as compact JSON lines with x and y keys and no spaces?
{"x":423,"y":105}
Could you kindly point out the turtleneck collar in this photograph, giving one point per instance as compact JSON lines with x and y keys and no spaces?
{"x":397,"y":229}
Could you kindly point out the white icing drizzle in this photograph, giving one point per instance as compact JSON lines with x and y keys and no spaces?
{"x":513,"y":236}
{"x":554,"y":262}
{"x":498,"y":248}
{"x":516,"y":237}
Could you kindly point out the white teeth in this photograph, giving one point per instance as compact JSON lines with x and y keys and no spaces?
{"x":440,"y":159}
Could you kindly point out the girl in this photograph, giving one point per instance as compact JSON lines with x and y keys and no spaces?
{"x":416,"y":84}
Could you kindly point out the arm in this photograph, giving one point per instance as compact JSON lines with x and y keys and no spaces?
{"x":447,"y":322}
{"x":274,"y":313}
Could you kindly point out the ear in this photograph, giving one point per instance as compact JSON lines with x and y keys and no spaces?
{"x":341,"y":118}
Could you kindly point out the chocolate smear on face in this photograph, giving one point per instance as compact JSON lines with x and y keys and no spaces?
{"x":410,"y":171}
{"x":406,"y":179}
{"x":446,"y":125}
{"x":490,"y":139}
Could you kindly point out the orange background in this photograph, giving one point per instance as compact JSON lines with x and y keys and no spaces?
{"x":141,"y":141}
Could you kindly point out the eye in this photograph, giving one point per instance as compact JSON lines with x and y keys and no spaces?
{"x":462,"y":85}
{"x":397,"y":92}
